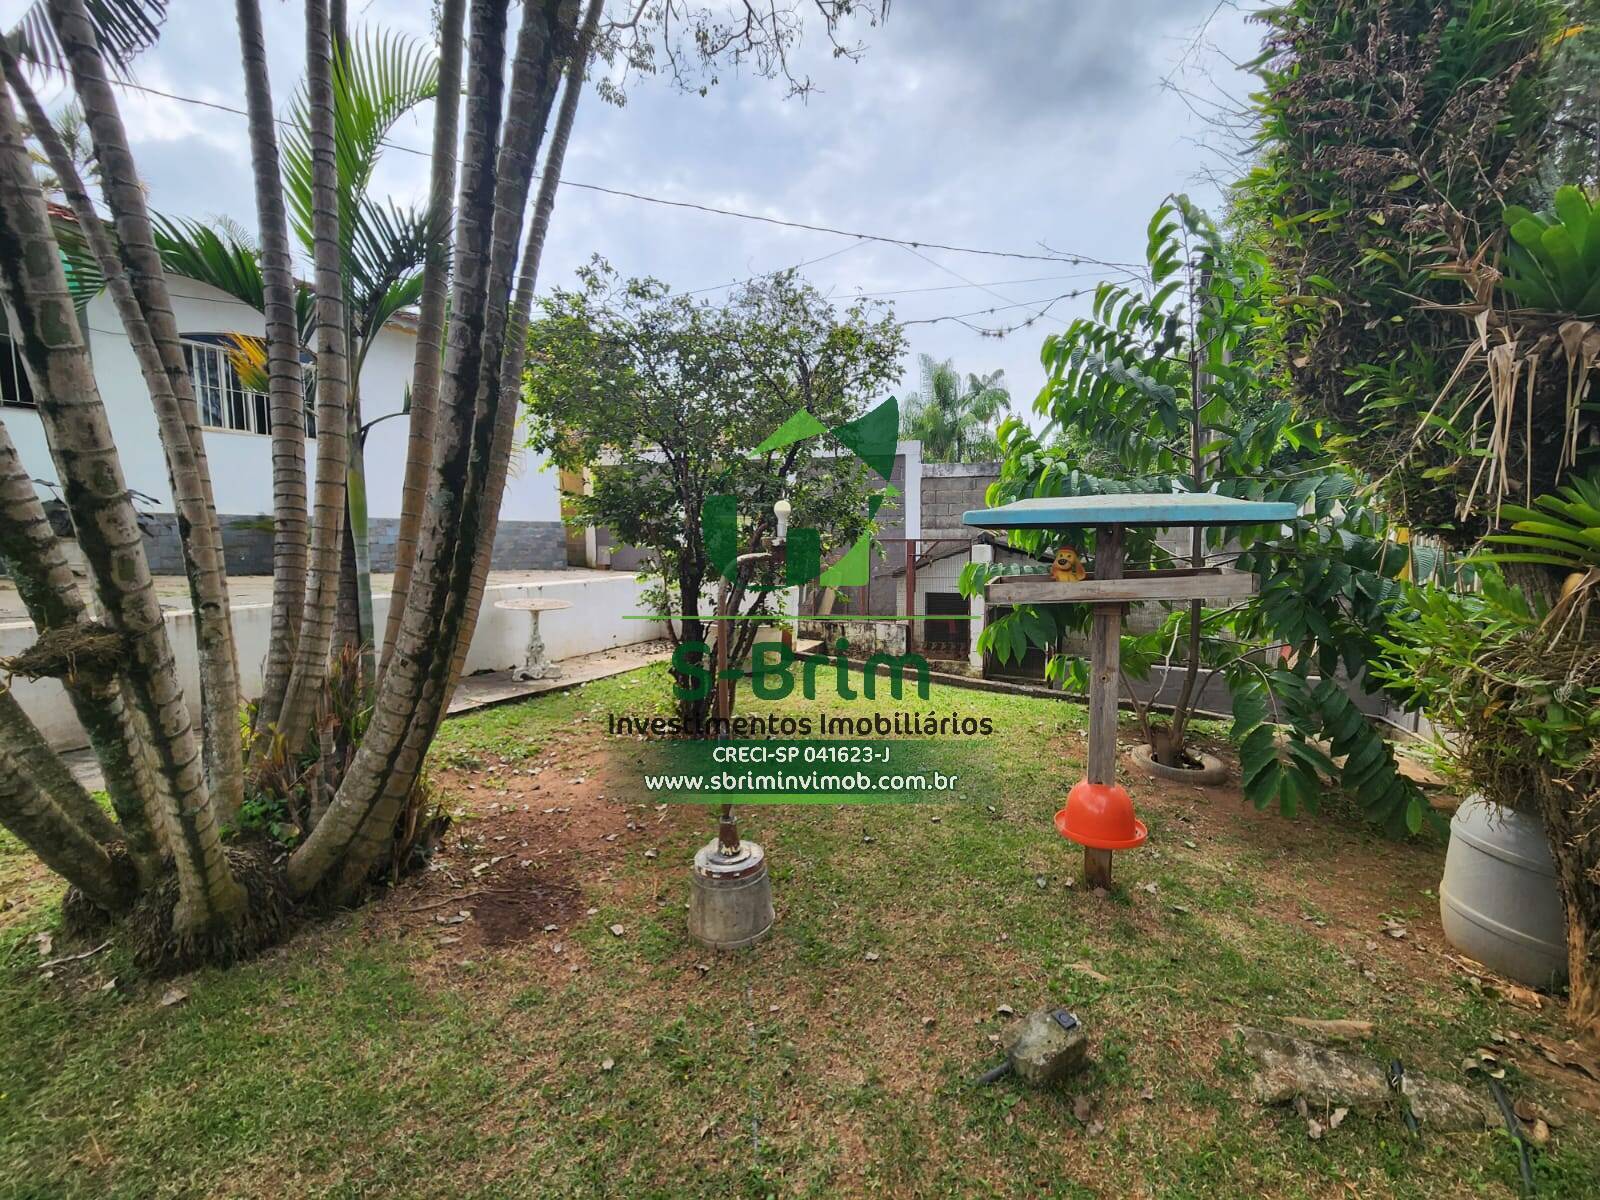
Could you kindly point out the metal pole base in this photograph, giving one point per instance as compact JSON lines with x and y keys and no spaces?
{"x":730,"y":897}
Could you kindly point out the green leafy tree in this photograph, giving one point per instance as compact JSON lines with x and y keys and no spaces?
{"x":663,"y":399}
{"x":1170,"y":386}
{"x":954,"y":421}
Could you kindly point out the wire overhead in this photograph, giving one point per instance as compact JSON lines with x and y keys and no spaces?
{"x":1072,"y":259}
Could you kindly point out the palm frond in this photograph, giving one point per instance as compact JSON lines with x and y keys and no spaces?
{"x":383,"y":76}
{"x":388,"y":246}
{"x":124,"y":29}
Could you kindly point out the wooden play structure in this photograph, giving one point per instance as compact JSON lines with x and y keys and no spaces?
{"x":1098,"y":814}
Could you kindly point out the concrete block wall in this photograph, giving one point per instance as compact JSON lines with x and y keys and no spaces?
{"x":247,"y":544}
{"x":950,"y":489}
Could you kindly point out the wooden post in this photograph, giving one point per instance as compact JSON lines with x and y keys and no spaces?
{"x":1105,"y":660}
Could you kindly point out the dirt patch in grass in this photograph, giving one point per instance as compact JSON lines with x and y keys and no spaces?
{"x":535,"y":844}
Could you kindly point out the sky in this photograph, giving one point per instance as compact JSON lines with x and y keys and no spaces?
{"x":1038,"y":127}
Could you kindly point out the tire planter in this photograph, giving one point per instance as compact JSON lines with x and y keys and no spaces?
{"x":1209,"y":773}
{"x":1499,"y":901}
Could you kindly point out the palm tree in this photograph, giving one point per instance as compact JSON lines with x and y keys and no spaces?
{"x":285,"y":381}
{"x":516,"y":339}
{"x":137,"y":284}
{"x":425,"y":371}
{"x":954,"y":424}
{"x":382,"y":250}
{"x":333,"y":384}
{"x":161,"y":859}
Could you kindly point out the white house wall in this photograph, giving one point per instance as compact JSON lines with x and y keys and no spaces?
{"x":531,"y":534}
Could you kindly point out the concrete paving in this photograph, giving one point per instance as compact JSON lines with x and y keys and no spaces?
{"x":474,"y":692}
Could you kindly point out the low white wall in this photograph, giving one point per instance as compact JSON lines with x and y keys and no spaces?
{"x":596,"y":621}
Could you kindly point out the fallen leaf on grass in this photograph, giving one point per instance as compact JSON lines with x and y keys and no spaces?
{"x":1530,"y":1112}
{"x":1340,"y":1029}
{"x":1083,"y":1108}
{"x":617,"y":931}
{"x":871,"y":956}
{"x":607,"y":1064}
{"x":173,"y":995}
{"x":1568,"y":1056}
{"x":1337,"y":1117}
{"x":1515,"y":993}
{"x":1005,"y":1010}
{"x":1084,"y":968}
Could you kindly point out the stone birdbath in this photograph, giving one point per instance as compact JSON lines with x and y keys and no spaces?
{"x":538,"y":665}
{"x":1098,"y":814}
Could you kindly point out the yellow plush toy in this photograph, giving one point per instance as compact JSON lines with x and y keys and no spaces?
{"x":1067,"y":567}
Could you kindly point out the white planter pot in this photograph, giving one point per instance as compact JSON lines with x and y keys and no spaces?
{"x":1499,"y":901}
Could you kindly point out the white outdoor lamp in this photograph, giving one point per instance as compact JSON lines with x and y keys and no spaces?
{"x":782,"y":509}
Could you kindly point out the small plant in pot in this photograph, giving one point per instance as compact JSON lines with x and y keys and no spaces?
{"x":1514,"y":686}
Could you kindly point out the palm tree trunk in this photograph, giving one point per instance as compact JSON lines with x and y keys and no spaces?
{"x":517,"y":335}
{"x":45,"y":328}
{"x":32,"y":754}
{"x":333,"y":363}
{"x":26,"y":809}
{"x":176,"y":411}
{"x":285,"y":380}
{"x":353,"y":622}
{"x":543,"y":44}
{"x":494,"y":189}
{"x":430,"y":317}
{"x":49,"y":590}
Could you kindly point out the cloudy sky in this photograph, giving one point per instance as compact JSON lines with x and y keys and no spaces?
{"x":1011,"y":125}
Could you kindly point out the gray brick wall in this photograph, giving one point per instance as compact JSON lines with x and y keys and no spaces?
{"x":950,"y":489}
{"x":247,"y":544}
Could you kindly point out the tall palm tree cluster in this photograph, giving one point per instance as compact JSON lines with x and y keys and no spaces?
{"x":173,"y":788}
{"x":954,"y":420}
{"x":338,"y":738}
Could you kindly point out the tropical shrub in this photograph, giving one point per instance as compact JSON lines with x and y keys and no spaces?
{"x":1446,"y":332}
{"x":1123,"y":379}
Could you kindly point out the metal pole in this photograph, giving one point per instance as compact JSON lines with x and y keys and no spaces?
{"x":727,"y":827}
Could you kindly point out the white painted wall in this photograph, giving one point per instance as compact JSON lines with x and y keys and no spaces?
{"x":594,"y":622}
{"x":241,"y":464}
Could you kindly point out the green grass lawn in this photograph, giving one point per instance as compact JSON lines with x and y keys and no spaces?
{"x":387,"y":1054}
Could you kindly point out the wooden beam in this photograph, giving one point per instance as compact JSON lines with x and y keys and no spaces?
{"x":1209,"y":583}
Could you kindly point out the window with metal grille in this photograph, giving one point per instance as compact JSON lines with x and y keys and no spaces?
{"x":14,"y":386}
{"x":223,"y":399}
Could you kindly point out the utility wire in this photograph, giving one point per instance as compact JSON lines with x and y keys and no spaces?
{"x":909,"y":243}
